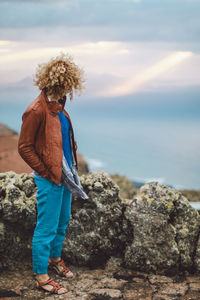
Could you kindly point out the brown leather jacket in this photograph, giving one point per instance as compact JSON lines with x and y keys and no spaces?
{"x":40,"y":141}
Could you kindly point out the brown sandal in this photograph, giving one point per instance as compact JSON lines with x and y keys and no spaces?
{"x":50,"y":281}
{"x":64,"y":271}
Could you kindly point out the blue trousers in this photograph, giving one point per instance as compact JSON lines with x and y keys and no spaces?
{"x":53,"y":216}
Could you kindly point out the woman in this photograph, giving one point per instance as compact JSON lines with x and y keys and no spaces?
{"x":48,"y":146}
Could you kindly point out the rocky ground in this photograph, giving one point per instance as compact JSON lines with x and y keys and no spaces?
{"x":109,"y":282}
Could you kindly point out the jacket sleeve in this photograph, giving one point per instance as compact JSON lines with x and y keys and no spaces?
{"x":26,"y":145}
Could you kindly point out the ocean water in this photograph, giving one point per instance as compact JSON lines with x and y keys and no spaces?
{"x":146,"y":140}
{"x":144,"y":150}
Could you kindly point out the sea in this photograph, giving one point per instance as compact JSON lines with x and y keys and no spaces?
{"x":146,"y":137}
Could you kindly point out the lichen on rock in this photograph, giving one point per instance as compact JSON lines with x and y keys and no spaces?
{"x":95,"y":231}
{"x":127,"y":189}
{"x":17,"y":216}
{"x":18,"y":203}
{"x":157,"y":231}
{"x":165,"y":230}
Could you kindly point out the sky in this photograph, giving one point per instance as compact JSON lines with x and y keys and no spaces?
{"x":124,"y":46}
{"x":141,"y":60}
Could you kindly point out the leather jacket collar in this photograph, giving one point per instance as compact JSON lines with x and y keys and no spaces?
{"x":53,"y":106}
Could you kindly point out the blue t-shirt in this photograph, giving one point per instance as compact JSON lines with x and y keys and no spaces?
{"x":65,"y":136}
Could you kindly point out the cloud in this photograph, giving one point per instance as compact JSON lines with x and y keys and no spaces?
{"x":136,"y":82}
{"x":93,"y":56}
{"x":95,"y":163}
{"x":87,"y":48}
{"x":106,"y":19}
{"x":112,"y":68}
{"x":118,"y":42}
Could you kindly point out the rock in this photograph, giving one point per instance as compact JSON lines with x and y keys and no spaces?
{"x":197,"y":255}
{"x":127,"y":188}
{"x":155,"y":279}
{"x":90,"y":284}
{"x":95,"y":231}
{"x":17,"y":216}
{"x":140,"y":294}
{"x":193,"y":279}
{"x":138,"y":288}
{"x":195,"y":287}
{"x":112,"y":283}
{"x":113,"y":264}
{"x":173,"y":289}
{"x":133,"y":294}
{"x":164,"y":230}
{"x":85,"y":284}
{"x":18,"y":203}
{"x":158,"y":231}
{"x":107,"y":293}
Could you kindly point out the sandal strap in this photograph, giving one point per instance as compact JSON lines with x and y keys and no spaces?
{"x":56,"y":262}
{"x":61,"y":263}
{"x":56,"y":286}
{"x":41,"y":283}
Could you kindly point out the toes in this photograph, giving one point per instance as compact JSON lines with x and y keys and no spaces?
{"x":62,"y":290}
{"x":69,"y":274}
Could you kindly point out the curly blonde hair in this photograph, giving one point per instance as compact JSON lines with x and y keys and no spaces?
{"x":59,"y":76}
